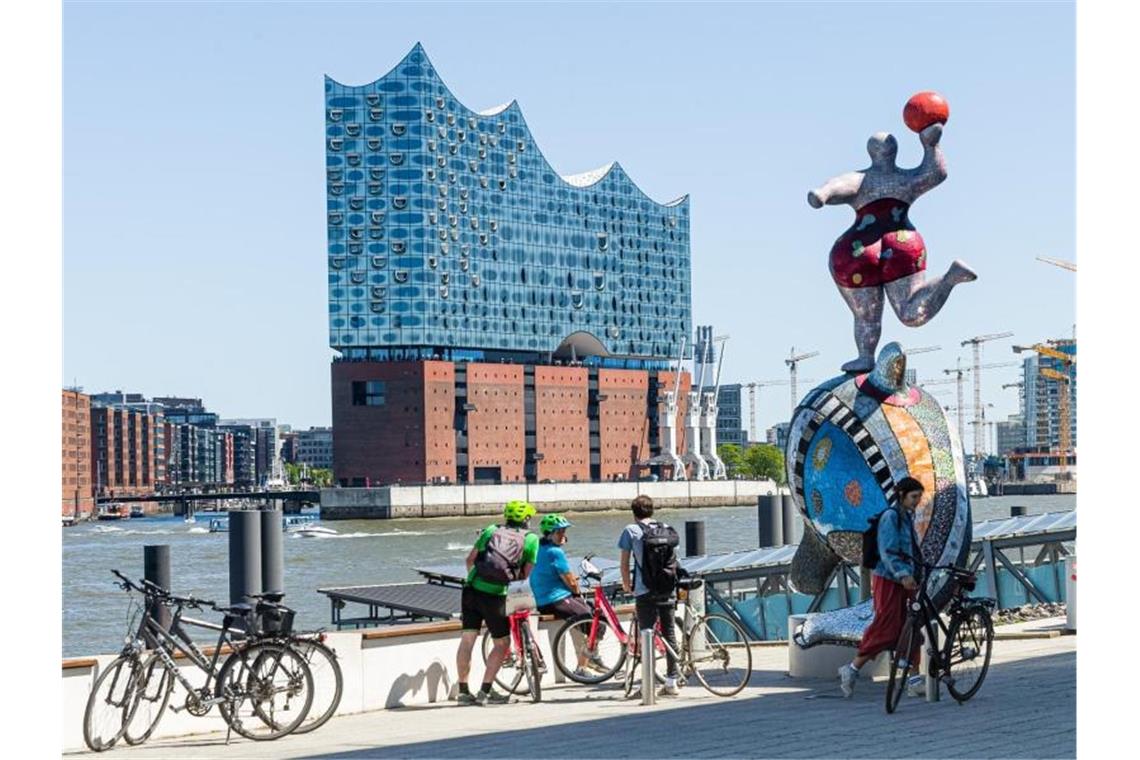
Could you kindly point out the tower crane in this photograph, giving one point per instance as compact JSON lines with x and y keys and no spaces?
{"x":1058,"y":263}
{"x":752,"y":435}
{"x":1064,"y":379}
{"x":793,"y":361}
{"x":976,"y":342}
{"x":959,"y":374}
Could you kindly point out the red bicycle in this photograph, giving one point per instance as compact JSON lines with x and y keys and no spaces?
{"x":598,"y":642}
{"x":523,"y":660}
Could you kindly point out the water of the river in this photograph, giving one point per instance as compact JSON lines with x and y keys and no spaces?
{"x":364,"y":552}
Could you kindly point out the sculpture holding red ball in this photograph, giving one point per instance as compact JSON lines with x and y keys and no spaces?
{"x":882,"y":257}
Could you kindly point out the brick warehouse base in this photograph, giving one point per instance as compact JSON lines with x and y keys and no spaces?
{"x":392,"y":502}
{"x":482,"y":423}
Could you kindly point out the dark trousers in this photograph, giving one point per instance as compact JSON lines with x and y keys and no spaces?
{"x":649,"y":612}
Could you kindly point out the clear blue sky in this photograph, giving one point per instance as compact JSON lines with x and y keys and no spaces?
{"x":194,"y":197}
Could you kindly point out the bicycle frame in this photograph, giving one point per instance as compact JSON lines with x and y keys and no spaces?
{"x":178,"y":640}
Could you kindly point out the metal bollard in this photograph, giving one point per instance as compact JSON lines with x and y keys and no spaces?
{"x":648,"y":679}
{"x":788,"y":507}
{"x":272,"y":552}
{"x":770,"y":514}
{"x":694,"y":538}
{"x":932,"y":691}
{"x":156,"y":569}
{"x":245,"y":556}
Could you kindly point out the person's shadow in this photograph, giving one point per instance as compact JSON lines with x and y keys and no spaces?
{"x":433,"y":678}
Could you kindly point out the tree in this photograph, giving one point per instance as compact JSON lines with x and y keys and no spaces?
{"x":732,"y":457}
{"x":764,"y":461}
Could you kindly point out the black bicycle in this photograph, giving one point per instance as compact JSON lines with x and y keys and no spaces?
{"x":968,"y":633}
{"x":263,"y":689}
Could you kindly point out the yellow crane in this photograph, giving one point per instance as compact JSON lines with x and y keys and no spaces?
{"x":1064,"y":379}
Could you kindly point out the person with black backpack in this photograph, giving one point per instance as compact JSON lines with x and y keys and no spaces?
{"x":889,"y":549}
{"x":502,"y":553}
{"x":653,"y":581}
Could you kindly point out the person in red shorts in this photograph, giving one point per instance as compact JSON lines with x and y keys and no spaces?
{"x":893,"y":584}
{"x":882,"y":254}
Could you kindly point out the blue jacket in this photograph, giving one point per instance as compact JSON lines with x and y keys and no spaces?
{"x":896,"y":536}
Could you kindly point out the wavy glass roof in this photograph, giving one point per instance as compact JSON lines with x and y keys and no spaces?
{"x":448,"y":229}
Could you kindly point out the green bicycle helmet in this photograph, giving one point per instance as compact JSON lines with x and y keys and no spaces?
{"x":551,"y":523}
{"x":518,"y":511}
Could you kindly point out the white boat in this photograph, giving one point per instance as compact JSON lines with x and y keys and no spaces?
{"x":315,"y":531}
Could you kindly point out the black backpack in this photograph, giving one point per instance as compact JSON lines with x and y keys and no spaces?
{"x":500,"y":558}
{"x":871,"y":555}
{"x":659,"y":559}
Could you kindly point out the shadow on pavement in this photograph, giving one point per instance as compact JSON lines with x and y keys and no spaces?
{"x":1025,"y":708}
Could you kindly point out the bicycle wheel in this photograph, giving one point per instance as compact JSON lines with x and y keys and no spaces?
{"x":900,"y":664}
{"x":531,"y":661}
{"x":632,"y":679}
{"x":152,"y":694}
{"x":719,"y":655}
{"x":109,"y":703}
{"x":268,"y":689}
{"x":604,"y":659}
{"x":328,"y":683}
{"x":967,"y":653}
{"x":510,"y":675}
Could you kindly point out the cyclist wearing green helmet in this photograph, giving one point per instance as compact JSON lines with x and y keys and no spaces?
{"x":502,"y":553}
{"x":555,"y":586}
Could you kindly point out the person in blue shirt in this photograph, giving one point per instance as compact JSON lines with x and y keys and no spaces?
{"x":555,"y":586}
{"x":893,"y":584}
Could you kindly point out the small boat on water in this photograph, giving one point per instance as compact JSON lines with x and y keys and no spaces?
{"x":113,"y":512}
{"x":315,"y":531}
{"x":289,"y":524}
{"x":219,"y":525}
{"x":137,"y":512}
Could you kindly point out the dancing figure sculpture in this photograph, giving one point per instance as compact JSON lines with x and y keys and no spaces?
{"x":882,"y":254}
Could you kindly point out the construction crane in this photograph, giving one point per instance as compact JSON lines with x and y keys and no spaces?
{"x":752,"y":434}
{"x":908,"y":352}
{"x":959,"y":374}
{"x":793,"y":361}
{"x":976,"y":342}
{"x":1064,"y":380}
{"x":1058,"y":263}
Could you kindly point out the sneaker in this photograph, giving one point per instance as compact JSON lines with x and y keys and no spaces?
{"x":847,"y":676}
{"x":595,"y":663}
{"x":584,"y":674}
{"x":466,"y":700}
{"x":669,"y":690}
{"x":491,"y":697}
{"x":916,"y":686}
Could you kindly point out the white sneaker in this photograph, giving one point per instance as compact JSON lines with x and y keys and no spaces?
{"x":847,"y":676}
{"x":916,"y":686}
{"x":669,"y":690}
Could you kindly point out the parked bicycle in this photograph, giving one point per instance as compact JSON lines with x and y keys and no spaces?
{"x":968,"y":632}
{"x":263,"y":689}
{"x":523,"y":661}
{"x":714,"y":648}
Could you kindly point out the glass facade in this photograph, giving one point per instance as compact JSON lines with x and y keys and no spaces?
{"x":450,"y":235}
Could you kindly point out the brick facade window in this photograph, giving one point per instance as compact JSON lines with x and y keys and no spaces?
{"x":368,"y":393}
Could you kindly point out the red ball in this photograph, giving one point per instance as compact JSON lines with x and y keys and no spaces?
{"x":924,"y":109}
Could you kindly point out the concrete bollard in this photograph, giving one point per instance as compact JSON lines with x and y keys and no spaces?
{"x":272,"y":552}
{"x":770,"y":514}
{"x":156,"y":569}
{"x":788,"y":508}
{"x":648,"y":679}
{"x":245,"y":555}
{"x":694,"y":538}
{"x":1016,"y":511}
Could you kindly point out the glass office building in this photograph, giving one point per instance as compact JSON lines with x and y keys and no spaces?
{"x":451,"y":237}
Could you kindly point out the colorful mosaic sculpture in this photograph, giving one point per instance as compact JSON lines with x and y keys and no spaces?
{"x":882,"y":255}
{"x":851,"y":439}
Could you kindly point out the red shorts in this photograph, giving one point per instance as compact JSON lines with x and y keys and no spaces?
{"x":880,"y":247}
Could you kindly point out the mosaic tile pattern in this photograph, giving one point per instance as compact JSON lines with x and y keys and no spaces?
{"x":448,"y":230}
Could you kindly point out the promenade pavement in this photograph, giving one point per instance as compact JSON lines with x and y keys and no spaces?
{"x":1025,"y":709}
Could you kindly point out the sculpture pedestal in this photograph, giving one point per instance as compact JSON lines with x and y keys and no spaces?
{"x":823,"y":660}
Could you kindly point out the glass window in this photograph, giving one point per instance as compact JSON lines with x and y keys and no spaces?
{"x":368,"y":393}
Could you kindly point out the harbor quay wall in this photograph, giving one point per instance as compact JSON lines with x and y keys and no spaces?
{"x":391,"y":502}
{"x":382,"y":668}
